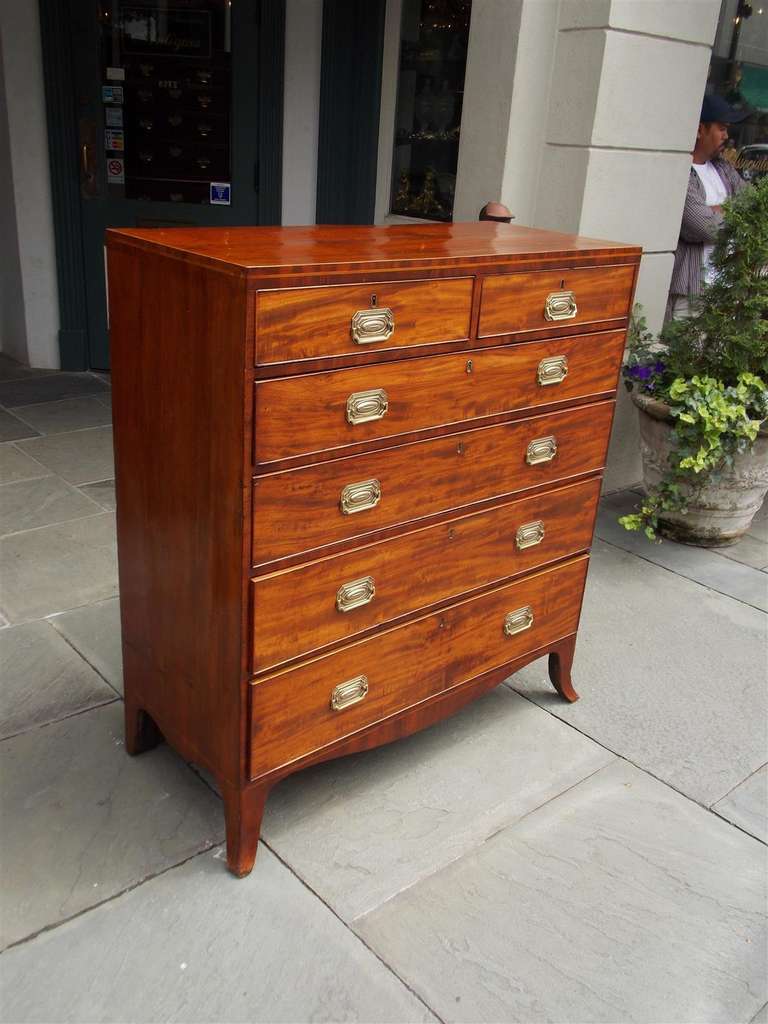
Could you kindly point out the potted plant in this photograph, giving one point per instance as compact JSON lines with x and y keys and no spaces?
{"x":702,"y":394}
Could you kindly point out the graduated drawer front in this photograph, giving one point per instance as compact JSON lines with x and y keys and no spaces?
{"x":554,"y":299}
{"x":306,"y":323}
{"x":300,"y":509}
{"x":299,"y":415}
{"x":299,"y":610}
{"x":291,"y":713}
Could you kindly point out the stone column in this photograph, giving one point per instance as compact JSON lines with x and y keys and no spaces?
{"x":627,"y":83}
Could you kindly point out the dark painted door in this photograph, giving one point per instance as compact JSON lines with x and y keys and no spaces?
{"x":167,"y":96}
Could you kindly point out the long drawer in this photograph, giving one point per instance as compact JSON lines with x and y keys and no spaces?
{"x":299,"y":510}
{"x":320,"y":411}
{"x":306,"y":323}
{"x":297,"y":611}
{"x":554,"y":299}
{"x":303,"y":709}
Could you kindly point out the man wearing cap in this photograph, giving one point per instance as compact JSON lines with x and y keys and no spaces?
{"x":712,"y":180}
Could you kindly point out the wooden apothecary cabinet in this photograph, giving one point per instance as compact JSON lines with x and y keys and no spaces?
{"x":357,"y":477}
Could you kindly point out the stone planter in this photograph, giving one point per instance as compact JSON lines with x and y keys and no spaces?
{"x":720,"y":512}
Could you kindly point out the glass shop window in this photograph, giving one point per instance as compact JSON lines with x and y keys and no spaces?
{"x":433,"y":61}
{"x":168,"y":97}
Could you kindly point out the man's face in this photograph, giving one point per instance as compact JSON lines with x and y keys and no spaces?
{"x":711,"y":138}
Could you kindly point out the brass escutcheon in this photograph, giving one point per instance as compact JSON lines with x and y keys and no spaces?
{"x":530,"y":534}
{"x":541,"y":449}
{"x":552,"y":370}
{"x":560,"y":306}
{"x":352,"y":692}
{"x":371,"y":325}
{"x":518,"y":621}
{"x":355,"y":594}
{"x":360,"y":496}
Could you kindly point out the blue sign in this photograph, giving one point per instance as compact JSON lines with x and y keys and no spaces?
{"x":221,"y":193}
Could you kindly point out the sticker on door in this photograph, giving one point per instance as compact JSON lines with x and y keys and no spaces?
{"x":115,"y":171}
{"x":221,"y":193}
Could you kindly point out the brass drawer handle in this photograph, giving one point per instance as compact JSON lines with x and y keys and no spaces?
{"x":542,"y":449}
{"x":352,"y":692}
{"x":360,"y":496}
{"x":365,"y":406}
{"x":518,"y":621}
{"x":355,"y":594}
{"x":552,"y":370}
{"x":370,"y":325}
{"x":560,"y":306}
{"x":530,"y":534}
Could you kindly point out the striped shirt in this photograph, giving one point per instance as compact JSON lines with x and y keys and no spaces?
{"x":699,"y":227}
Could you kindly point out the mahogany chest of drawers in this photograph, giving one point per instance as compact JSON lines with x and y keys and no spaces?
{"x":357,"y":476}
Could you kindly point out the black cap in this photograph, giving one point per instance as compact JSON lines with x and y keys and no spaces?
{"x":714,"y":108}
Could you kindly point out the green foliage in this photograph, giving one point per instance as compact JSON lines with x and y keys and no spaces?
{"x":710,"y":369}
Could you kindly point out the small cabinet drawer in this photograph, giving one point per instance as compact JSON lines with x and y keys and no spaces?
{"x":299,"y":510}
{"x":300,"y":710}
{"x":554,"y":299}
{"x":309,"y":323}
{"x":315,"y":412}
{"x":299,"y":610}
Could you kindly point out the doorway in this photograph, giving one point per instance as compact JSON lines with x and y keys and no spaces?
{"x":168,"y":128}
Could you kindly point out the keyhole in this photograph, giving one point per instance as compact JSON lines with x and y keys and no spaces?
{"x":562,"y":284}
{"x":460,"y":448}
{"x":469,"y":366}
{"x":374,"y":300}
{"x":451,"y":534}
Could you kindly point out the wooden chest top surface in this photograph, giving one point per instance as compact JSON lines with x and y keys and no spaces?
{"x":293,"y":250}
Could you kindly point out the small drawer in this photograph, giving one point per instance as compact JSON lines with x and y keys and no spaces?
{"x":319,"y":411}
{"x":299,"y":610}
{"x":309,"y":323}
{"x":303,"y":709}
{"x":554,"y":299}
{"x":299,"y":510}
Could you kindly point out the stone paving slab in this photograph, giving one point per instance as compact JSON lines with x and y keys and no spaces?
{"x":362,"y":828}
{"x":10,"y":369}
{"x":15,"y":466}
{"x":49,"y":388}
{"x":619,"y":901}
{"x":27,"y":504}
{"x":197,"y":945}
{"x":747,"y":805}
{"x":709,"y":568}
{"x":749,"y":551}
{"x":88,"y":821}
{"x":43,"y":679}
{"x":64,"y":415}
{"x":12,"y":428}
{"x":55,"y":568}
{"x":81,"y":456}
{"x":94,"y":631}
{"x":671,"y":676}
{"x":103,"y":492}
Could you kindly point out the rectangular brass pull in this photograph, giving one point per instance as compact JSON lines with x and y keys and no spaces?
{"x":352,"y":692}
{"x":552,"y":370}
{"x":530,"y":534}
{"x":518,"y":621}
{"x":355,"y":594}
{"x":365,"y":406}
{"x":360,"y":496}
{"x":541,"y":449}
{"x":560,"y":306}
{"x":371,"y":325}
